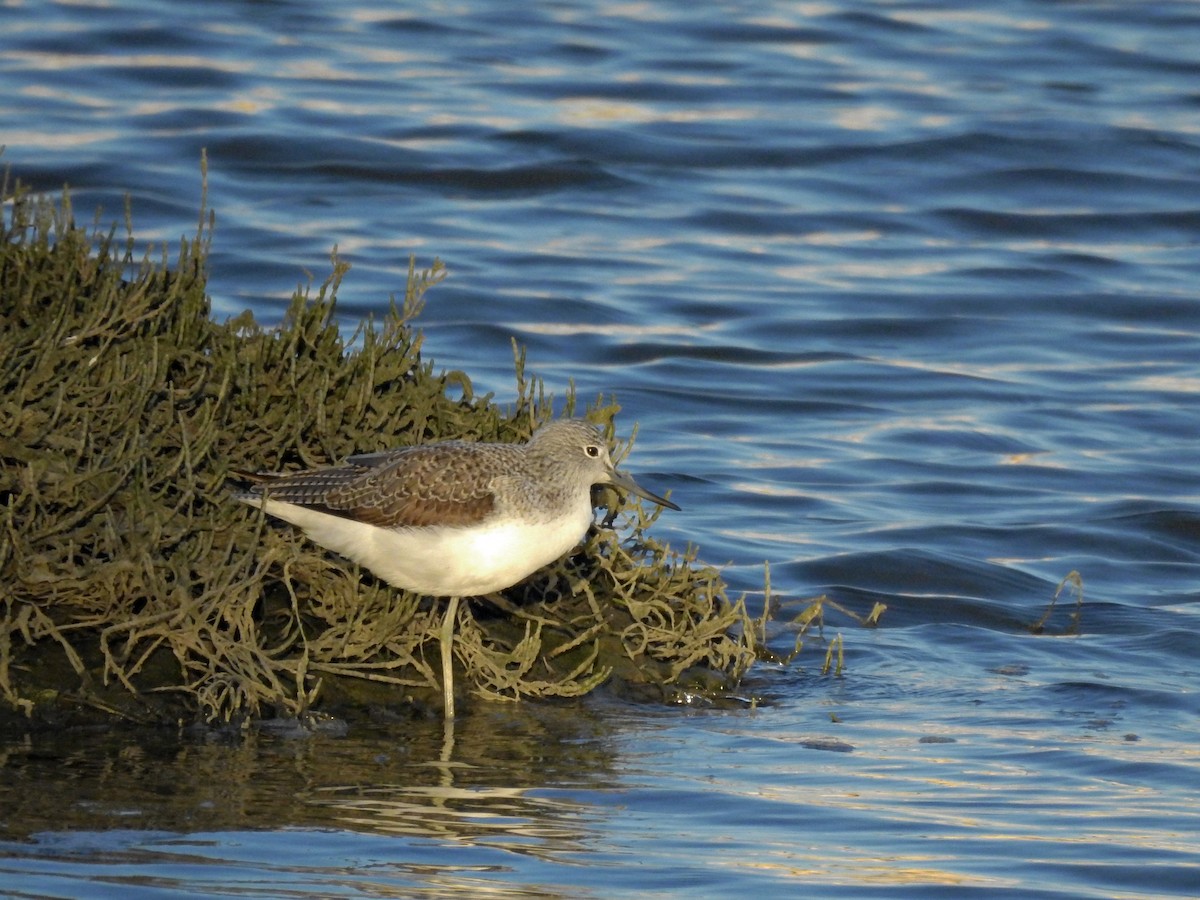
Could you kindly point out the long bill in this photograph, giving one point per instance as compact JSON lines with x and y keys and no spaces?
{"x":621,"y":480}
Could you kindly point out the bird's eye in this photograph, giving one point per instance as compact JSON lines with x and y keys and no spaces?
{"x":592,"y":450}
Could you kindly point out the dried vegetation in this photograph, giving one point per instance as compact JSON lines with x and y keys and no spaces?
{"x":131,"y":587}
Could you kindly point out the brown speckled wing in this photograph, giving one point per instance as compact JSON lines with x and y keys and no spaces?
{"x":441,"y":484}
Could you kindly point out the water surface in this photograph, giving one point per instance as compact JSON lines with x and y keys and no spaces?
{"x":903,"y":298}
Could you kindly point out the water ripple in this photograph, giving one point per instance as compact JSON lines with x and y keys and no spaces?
{"x":904,"y":300}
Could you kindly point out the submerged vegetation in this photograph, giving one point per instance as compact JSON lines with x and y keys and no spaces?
{"x":131,"y":585}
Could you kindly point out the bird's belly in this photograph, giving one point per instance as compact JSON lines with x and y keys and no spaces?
{"x":440,"y":561}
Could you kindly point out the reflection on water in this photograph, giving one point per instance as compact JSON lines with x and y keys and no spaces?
{"x":469,"y":780}
{"x":478,"y":798}
{"x":604,"y":799}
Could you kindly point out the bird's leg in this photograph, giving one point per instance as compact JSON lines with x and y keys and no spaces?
{"x":447,"y":642}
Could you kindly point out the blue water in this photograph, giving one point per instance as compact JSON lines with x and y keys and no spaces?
{"x":904,"y":299}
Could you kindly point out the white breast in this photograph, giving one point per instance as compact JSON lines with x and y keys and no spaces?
{"x":444,"y":562}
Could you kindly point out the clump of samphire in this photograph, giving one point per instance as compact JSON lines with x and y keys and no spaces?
{"x":133,"y":586}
